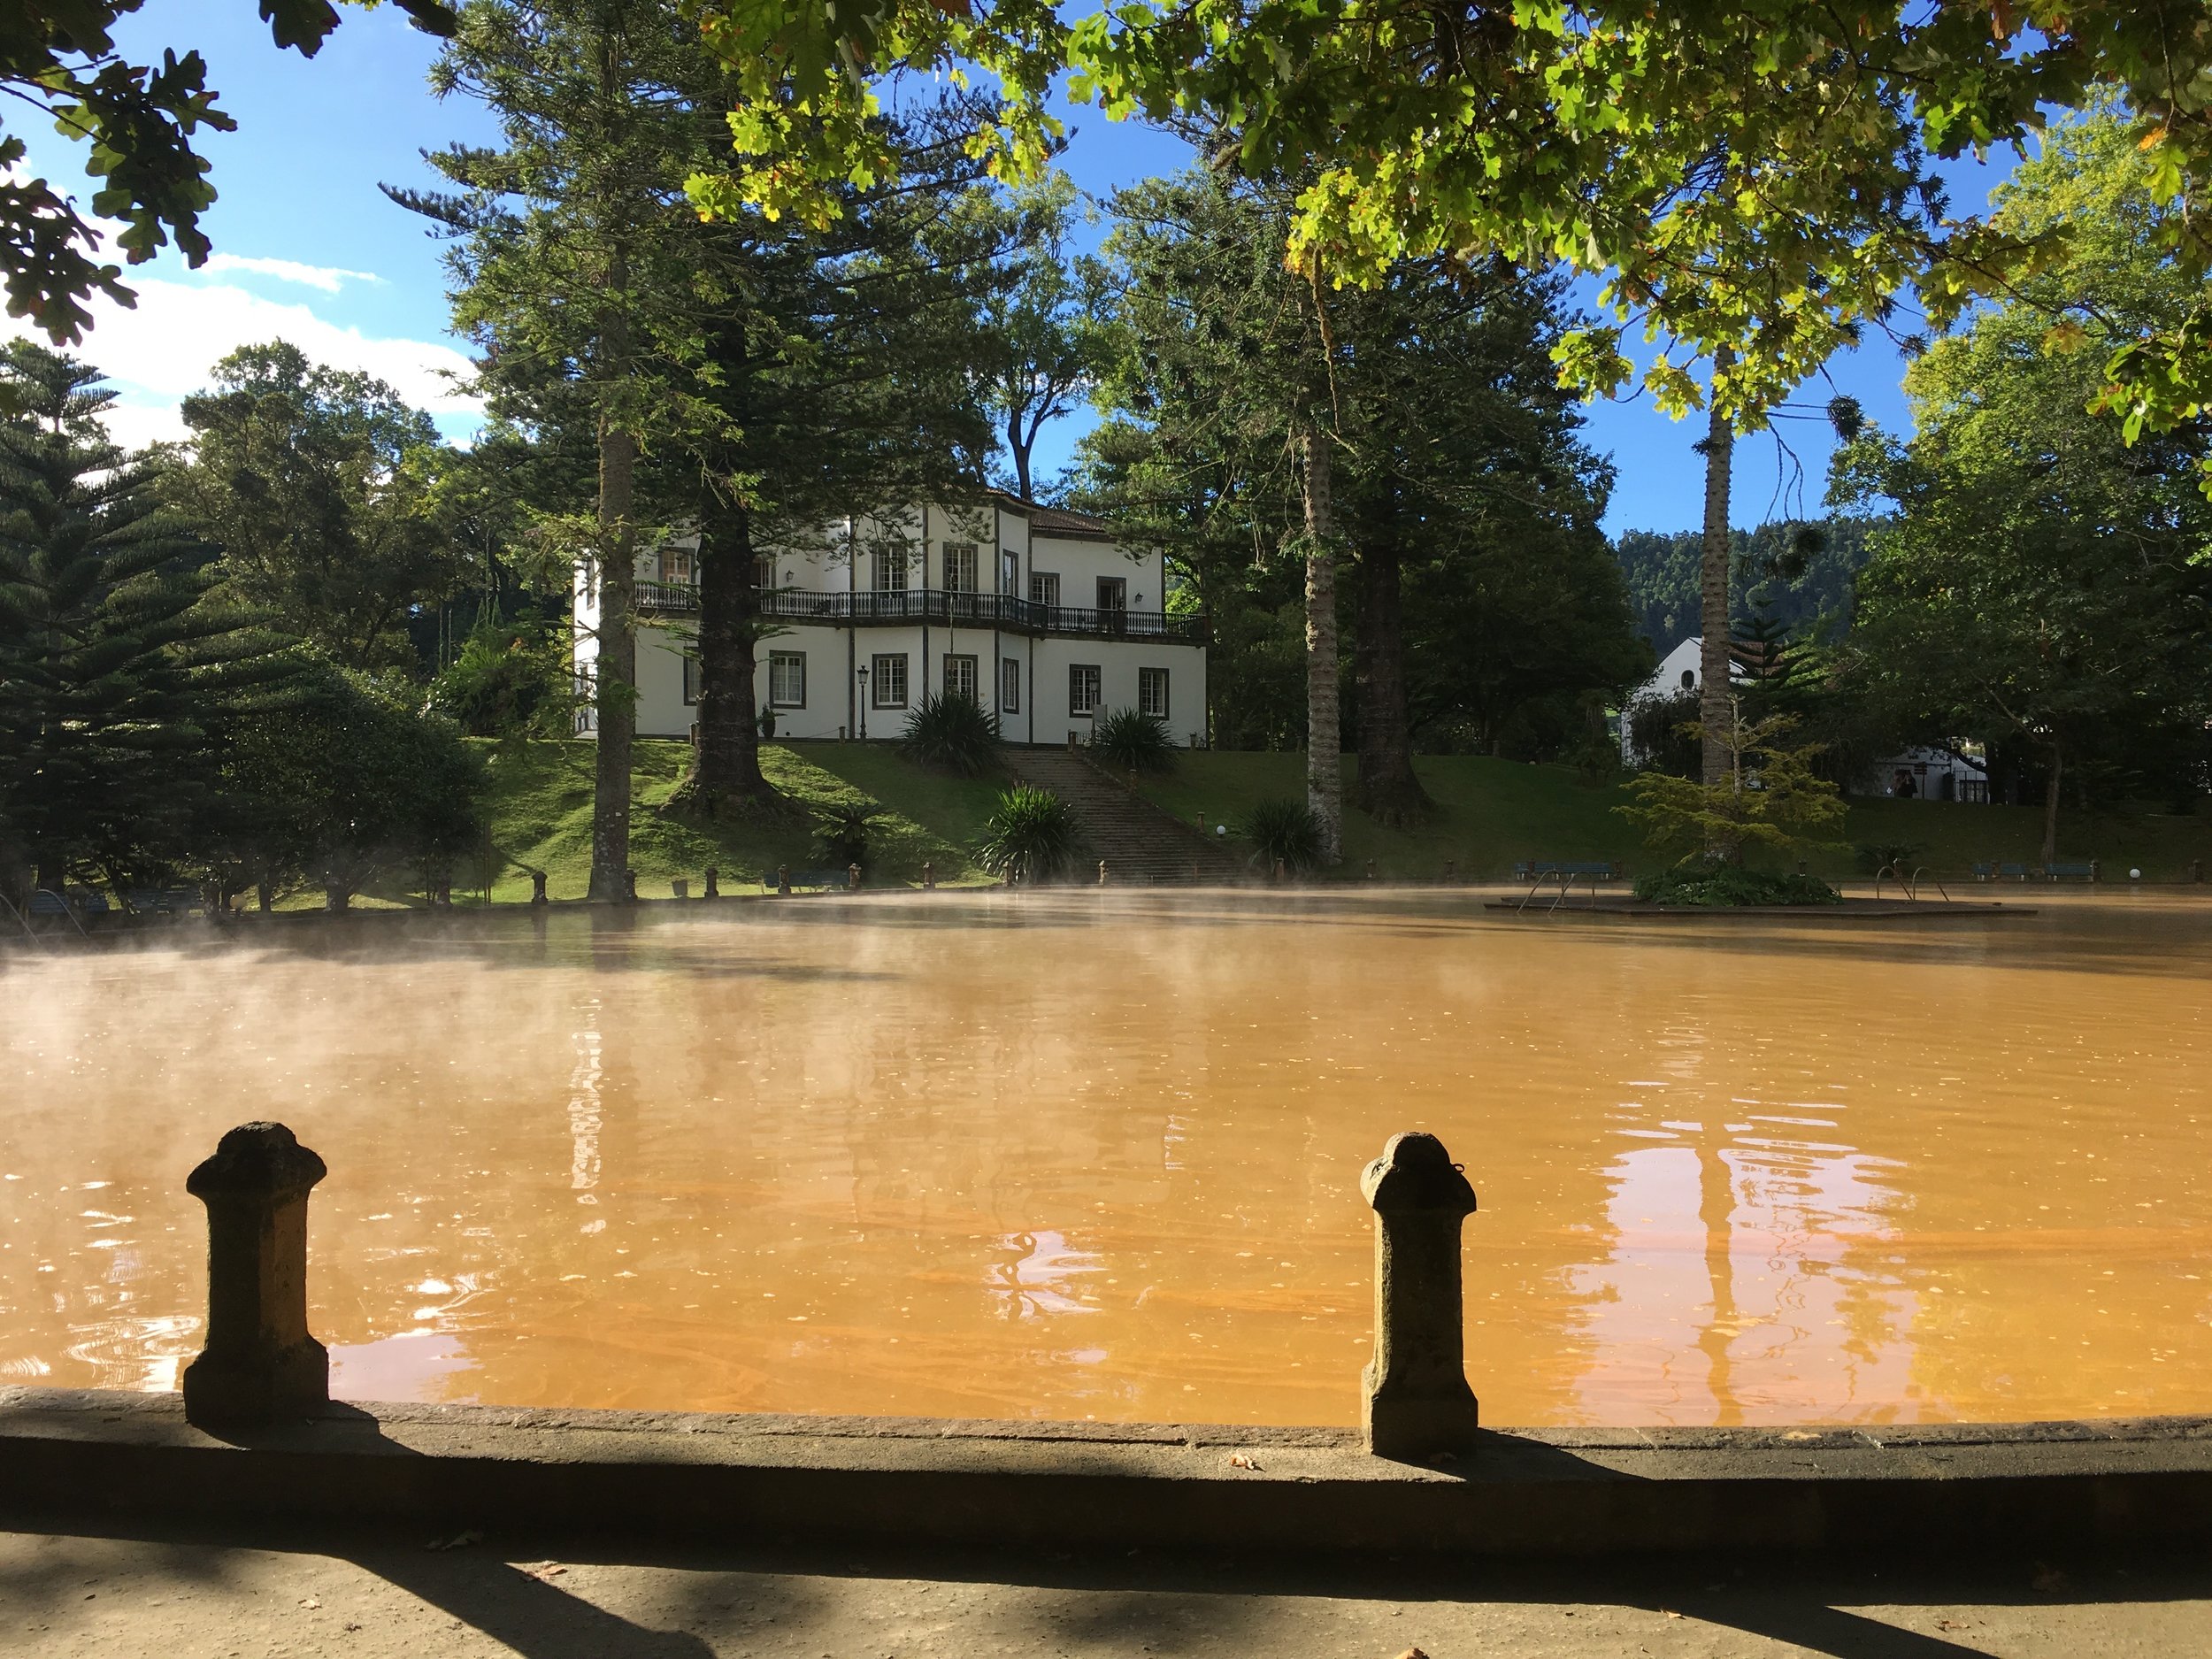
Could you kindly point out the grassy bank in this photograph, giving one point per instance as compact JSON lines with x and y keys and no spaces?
{"x":1493,"y":813}
{"x":540,"y":807}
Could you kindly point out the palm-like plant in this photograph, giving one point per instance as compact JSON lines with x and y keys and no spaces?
{"x":1138,"y":742}
{"x":1284,"y":833}
{"x":952,"y":732}
{"x":1032,"y":836}
{"x":842,"y":830}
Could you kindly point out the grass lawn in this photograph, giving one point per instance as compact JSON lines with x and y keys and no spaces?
{"x":1495,"y":812}
{"x":540,"y":814}
{"x":1491,"y":814}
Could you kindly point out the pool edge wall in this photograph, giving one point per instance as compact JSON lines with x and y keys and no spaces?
{"x":1119,"y":1486}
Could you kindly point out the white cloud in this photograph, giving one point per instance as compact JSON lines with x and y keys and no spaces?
{"x":166,"y":347}
{"x":328,"y":278}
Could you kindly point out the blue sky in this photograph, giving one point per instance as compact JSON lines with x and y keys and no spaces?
{"x":307,"y":248}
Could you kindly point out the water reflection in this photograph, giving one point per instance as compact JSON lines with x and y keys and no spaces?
{"x":799,"y":1157}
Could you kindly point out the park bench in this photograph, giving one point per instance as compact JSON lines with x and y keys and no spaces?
{"x":164,"y":901}
{"x":2071,"y":872}
{"x":2012,"y":873}
{"x":1541,"y":873}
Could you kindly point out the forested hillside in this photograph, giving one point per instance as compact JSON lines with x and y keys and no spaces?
{"x":1661,"y":571}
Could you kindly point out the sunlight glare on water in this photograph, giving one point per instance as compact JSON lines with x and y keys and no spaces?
{"x":1095,"y":1155}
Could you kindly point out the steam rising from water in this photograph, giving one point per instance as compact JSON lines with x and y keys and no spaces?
{"x":1095,"y":1154}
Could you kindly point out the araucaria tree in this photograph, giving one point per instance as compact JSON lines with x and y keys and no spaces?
{"x":2045,"y":585}
{"x":573,"y":278}
{"x":116,"y":668}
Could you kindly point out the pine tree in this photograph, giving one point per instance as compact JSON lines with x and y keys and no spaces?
{"x":114,"y":665}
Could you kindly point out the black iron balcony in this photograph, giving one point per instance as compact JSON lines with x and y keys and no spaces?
{"x":944,"y":607}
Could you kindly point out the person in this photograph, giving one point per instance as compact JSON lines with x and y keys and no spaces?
{"x":1905,"y":785}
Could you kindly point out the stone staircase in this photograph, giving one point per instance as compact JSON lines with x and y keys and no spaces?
{"x":1143,"y":845}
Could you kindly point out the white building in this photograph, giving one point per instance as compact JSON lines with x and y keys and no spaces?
{"x":1682,"y":669}
{"x":1036,"y":613}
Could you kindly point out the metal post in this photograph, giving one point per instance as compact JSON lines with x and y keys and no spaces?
{"x":537,"y":887}
{"x":783,"y":881}
{"x":929,"y":875}
{"x":714,"y":884}
{"x":852,"y":877}
{"x":1416,"y":1399}
{"x":1101,"y":872}
{"x":259,"y":1361}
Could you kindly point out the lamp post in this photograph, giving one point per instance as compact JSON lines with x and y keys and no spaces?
{"x":862,"y":672}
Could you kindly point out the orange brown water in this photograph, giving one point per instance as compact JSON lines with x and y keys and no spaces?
{"x":1095,"y":1155}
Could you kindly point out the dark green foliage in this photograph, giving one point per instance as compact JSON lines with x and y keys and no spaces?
{"x":1282,"y":832}
{"x":317,"y":483}
{"x":1799,"y":571}
{"x":116,"y":667}
{"x":952,"y":734}
{"x":1032,"y":836}
{"x":1658,"y":731}
{"x":511,"y":680}
{"x":1133,"y":740}
{"x":1872,"y":856}
{"x":348,"y":784}
{"x":841,"y":831}
{"x":1717,"y":886}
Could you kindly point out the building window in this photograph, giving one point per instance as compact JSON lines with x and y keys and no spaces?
{"x":1044,"y":588}
{"x":960,"y":677}
{"x":887,"y":681}
{"x":1082,"y":687}
{"x":1113,"y":593}
{"x":1010,"y":572}
{"x":676,"y":566}
{"x":1009,"y":687}
{"x":959,"y":567}
{"x":891,"y":569}
{"x":691,"y":681}
{"x":1152,"y":692}
{"x":1689,"y":678}
{"x":786,"y":680}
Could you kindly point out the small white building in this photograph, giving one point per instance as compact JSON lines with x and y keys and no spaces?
{"x":1680,"y":670}
{"x":1960,"y":774}
{"x":1037,"y":613}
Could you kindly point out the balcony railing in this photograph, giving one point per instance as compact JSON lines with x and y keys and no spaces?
{"x":942,"y":606}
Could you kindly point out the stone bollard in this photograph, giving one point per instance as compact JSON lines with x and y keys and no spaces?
{"x":714,"y":884}
{"x":259,"y":1362}
{"x":1282,"y":871}
{"x":1101,"y":872}
{"x":1416,"y":1402}
{"x":2096,"y":869}
{"x":629,"y":885}
{"x":783,"y":881}
{"x":1370,"y":868}
{"x":2196,"y":870}
{"x":680,"y":887}
{"x":1451,"y":870}
{"x":537,"y":887}
{"x":852,"y":877}
{"x":929,"y":875}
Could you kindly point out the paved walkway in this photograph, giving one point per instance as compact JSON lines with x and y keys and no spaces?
{"x":259,"y":1594}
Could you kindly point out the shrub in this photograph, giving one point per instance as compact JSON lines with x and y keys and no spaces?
{"x":1710,"y":884}
{"x":952,"y":734}
{"x":512,"y":679}
{"x":1661,"y":731}
{"x":1139,"y":742}
{"x":1283,"y":831}
{"x":1877,"y":856}
{"x":842,"y":830}
{"x":1032,"y":836}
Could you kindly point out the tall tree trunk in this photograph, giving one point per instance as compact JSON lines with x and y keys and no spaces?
{"x":615,"y":695}
{"x":725,"y":775}
{"x":1019,"y":449}
{"x":1325,"y":741}
{"x":2050,"y":804}
{"x":1387,"y":791}
{"x":1713,"y":711}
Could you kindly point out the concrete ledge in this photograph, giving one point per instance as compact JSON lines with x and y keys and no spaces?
{"x":1117,"y":1485}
